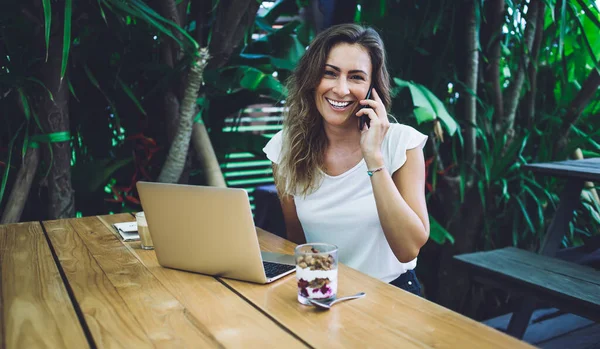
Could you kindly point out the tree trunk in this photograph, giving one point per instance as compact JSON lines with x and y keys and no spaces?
{"x":495,"y":14}
{"x":54,"y":116}
{"x":182,"y":9}
{"x":169,"y":10}
{"x":170,"y":114}
{"x":206,"y":156}
{"x":529,"y":100}
{"x":21,"y":187}
{"x":178,"y":150}
{"x":169,"y":54}
{"x":232,"y":20}
{"x":587,"y":92}
{"x":471,"y":73}
{"x":513,"y":93}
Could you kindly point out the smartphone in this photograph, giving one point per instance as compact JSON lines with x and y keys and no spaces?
{"x":364,"y":119}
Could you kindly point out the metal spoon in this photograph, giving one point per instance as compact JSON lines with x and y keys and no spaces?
{"x":330,"y":303}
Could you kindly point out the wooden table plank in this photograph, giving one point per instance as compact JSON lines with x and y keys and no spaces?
{"x":386,"y":317}
{"x":35,"y":308}
{"x":124,"y":304}
{"x":231,"y":320}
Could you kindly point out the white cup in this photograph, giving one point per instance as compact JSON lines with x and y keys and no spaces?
{"x":144,"y":232}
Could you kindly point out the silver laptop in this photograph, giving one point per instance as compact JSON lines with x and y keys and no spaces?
{"x":208,"y":230}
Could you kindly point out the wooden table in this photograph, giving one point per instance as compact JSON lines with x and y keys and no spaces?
{"x":74,"y":284}
{"x":576,"y":172}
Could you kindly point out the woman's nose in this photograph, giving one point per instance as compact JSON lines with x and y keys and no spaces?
{"x":341,"y":88}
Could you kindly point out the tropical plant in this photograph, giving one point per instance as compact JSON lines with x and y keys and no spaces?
{"x":520,"y":78}
{"x":125,"y":65}
{"x":51,"y":53}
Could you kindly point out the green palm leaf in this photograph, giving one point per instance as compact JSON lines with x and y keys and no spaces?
{"x":47,"y":23}
{"x":593,"y":17}
{"x":438,"y":233}
{"x":66,"y":37}
{"x":525,"y":214}
{"x":586,"y":42}
{"x":37,"y":81}
{"x":72,"y":90}
{"x":139,"y":9}
{"x":24,"y":104}
{"x":102,"y":11}
{"x":94,"y":82}
{"x":92,"y":78}
{"x":7,"y":170}
{"x":131,"y":96}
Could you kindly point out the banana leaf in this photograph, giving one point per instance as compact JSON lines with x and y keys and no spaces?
{"x":282,"y":45}
{"x":232,"y":79}
{"x":282,"y":7}
{"x":427,"y":107}
{"x":438,"y":233}
{"x":265,"y":63}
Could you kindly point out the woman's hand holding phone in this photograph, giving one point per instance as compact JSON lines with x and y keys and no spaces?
{"x":373,"y":130}
{"x":364,"y":119}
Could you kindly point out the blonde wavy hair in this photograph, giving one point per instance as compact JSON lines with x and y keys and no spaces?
{"x":304,"y":140}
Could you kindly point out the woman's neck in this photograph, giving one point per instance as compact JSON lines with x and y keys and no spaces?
{"x":342,"y":137}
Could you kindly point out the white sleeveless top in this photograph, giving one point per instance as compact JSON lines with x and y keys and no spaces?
{"x":342,"y":210}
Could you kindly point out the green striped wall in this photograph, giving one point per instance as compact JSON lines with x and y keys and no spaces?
{"x":244,"y":169}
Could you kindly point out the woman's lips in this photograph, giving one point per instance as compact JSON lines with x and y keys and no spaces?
{"x":338,"y":105}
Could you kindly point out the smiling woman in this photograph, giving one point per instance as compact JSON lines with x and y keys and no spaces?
{"x":345,"y":82}
{"x":361,"y":189}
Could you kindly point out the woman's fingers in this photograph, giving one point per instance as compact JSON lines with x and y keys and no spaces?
{"x":374,"y":118}
{"x":370,"y":113}
{"x":376,"y":96}
{"x":375,"y":104}
{"x":370,"y":103}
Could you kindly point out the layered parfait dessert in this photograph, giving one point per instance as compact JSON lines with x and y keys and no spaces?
{"x":316,"y":272}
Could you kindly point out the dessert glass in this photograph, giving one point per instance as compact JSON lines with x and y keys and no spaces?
{"x":316,"y":272}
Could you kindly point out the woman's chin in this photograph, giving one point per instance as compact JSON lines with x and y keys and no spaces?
{"x":337,"y":122}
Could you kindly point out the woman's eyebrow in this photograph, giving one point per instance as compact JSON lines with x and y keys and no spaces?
{"x":350,"y":72}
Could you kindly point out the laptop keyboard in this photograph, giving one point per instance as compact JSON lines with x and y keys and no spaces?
{"x":274,"y":269}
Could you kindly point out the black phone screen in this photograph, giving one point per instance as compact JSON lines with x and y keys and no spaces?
{"x":364,"y":119}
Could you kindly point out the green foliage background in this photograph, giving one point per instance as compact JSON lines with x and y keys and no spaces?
{"x":111,"y":63}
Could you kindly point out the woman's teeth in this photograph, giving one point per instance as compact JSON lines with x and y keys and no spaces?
{"x":337,"y":104}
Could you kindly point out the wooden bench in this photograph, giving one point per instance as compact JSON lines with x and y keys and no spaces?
{"x":539,"y":276}
{"x":574,"y":287}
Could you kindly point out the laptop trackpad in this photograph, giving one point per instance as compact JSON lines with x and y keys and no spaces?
{"x":277,"y":258}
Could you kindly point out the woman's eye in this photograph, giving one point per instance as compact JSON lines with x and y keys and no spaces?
{"x":329,"y":73}
{"x":358,"y":77}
